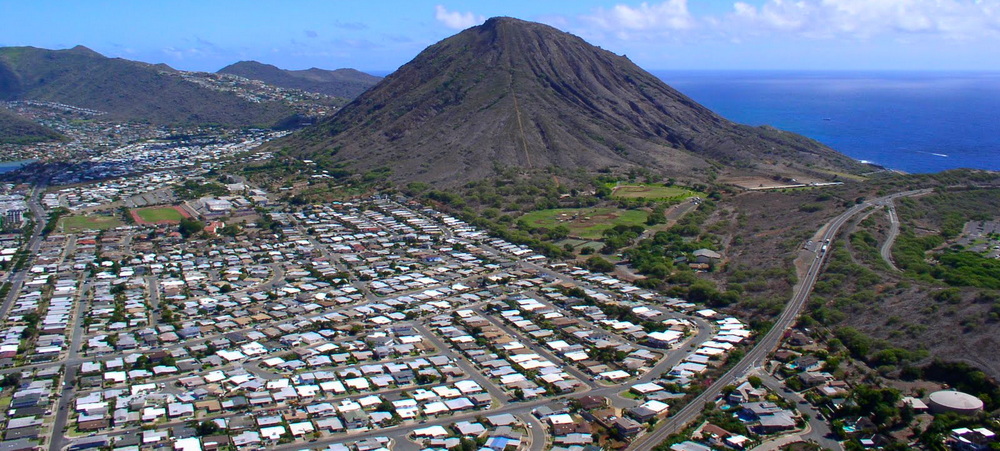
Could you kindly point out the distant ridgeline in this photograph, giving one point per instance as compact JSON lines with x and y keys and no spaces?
{"x":125,"y":90}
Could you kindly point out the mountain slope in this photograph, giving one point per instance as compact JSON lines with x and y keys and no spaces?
{"x":15,"y":129}
{"x":515,"y":93}
{"x":124,"y":89}
{"x":344,"y":83}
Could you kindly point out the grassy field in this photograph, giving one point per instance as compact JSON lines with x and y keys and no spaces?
{"x":158,"y":214}
{"x":586,"y":223}
{"x":653,"y":192}
{"x":89,"y":222}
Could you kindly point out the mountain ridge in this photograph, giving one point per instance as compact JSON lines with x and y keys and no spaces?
{"x":126,"y":90}
{"x":344,"y":83}
{"x":523,"y":94}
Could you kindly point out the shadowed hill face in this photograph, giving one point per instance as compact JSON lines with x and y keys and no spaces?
{"x":124,"y":89}
{"x":344,"y":83}
{"x":515,"y":93}
{"x":17,"y":130}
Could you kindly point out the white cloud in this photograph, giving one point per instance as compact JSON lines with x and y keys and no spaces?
{"x":658,"y":17}
{"x":864,"y":19}
{"x":455,"y":19}
{"x":813,"y":19}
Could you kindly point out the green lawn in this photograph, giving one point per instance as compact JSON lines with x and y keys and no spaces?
{"x":653,"y":192}
{"x":159,"y":214}
{"x":586,"y":223}
{"x":89,"y":222}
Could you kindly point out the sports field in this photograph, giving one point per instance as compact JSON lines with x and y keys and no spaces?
{"x":586,"y":223}
{"x":159,"y":215}
{"x":653,"y":192}
{"x":89,"y":222}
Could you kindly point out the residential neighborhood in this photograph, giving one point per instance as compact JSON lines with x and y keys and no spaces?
{"x":169,"y":306}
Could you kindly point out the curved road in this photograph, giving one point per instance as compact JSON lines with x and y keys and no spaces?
{"x":886,"y":249}
{"x":756,"y":356}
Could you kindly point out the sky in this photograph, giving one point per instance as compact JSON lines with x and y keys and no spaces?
{"x":379,"y":36}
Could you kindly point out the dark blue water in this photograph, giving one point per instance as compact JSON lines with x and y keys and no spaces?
{"x":7,"y":166}
{"x":914,"y":122}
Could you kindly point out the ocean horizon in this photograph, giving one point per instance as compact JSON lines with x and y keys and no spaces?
{"x":916,"y":122}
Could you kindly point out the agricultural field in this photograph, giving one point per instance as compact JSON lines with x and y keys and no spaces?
{"x":156,"y":215}
{"x":585,"y":223}
{"x":653,"y":192}
{"x":88,"y":222}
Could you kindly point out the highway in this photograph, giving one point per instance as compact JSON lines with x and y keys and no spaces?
{"x":769,"y":342}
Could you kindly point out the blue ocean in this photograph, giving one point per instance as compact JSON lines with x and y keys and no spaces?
{"x":915,"y":122}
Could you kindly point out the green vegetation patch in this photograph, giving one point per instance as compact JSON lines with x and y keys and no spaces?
{"x":89,"y":222}
{"x":191,"y":189}
{"x":160,"y":214}
{"x":586,"y":223}
{"x":651,"y":191}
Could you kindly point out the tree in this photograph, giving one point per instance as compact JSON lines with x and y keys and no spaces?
{"x":190,"y":226}
{"x":11,"y":380}
{"x":597,"y":263}
{"x":558,"y":232}
{"x":207,"y":428}
{"x":656,"y":217}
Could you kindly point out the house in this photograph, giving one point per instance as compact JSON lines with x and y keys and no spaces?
{"x":21,"y":444}
{"x":27,"y":432}
{"x":745,"y":392}
{"x":805,"y":363}
{"x":965,"y":439}
{"x":468,"y":429}
{"x":215,"y":442}
{"x":777,"y":422}
{"x":811,"y":379}
{"x":769,"y":417}
{"x":627,"y":428}
{"x":93,"y":425}
{"x":649,"y":410}
{"x":798,"y":338}
{"x":593,"y":402}
{"x":247,"y":439}
{"x":504,"y":419}
{"x":689,"y":446}
{"x":706,"y":256}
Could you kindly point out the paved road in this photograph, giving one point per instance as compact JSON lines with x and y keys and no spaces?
{"x":886,"y":249}
{"x":72,"y":362}
{"x":16,"y":278}
{"x":536,"y":432}
{"x":756,"y":356}
{"x":446,"y":350}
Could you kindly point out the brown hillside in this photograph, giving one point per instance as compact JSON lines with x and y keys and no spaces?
{"x":515,"y":93}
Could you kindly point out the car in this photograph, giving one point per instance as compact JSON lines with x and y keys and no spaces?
{"x":803,"y":402}
{"x":819,"y":416}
